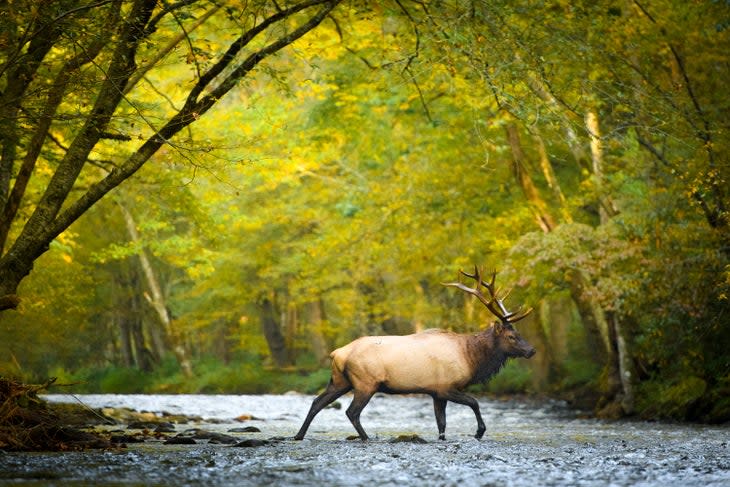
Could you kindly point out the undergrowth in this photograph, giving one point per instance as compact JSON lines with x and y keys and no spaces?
{"x":211,"y":377}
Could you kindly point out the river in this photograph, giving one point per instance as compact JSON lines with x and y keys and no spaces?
{"x":526,"y":444}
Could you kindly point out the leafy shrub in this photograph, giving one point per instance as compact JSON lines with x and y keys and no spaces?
{"x":514,"y":378}
{"x":674,"y":400}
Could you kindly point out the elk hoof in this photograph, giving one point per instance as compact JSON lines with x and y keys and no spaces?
{"x":442,"y":436}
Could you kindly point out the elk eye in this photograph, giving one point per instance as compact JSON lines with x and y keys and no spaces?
{"x":512,"y":338}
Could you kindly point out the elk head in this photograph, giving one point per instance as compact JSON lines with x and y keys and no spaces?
{"x":509,"y":340}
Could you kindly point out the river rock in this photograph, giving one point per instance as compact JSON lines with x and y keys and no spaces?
{"x":165,"y":427}
{"x":245,"y":429}
{"x":142,"y":425}
{"x":211,"y":436}
{"x":246,"y":417}
{"x":221,"y":438}
{"x":180,"y":440}
{"x":408,"y":439}
{"x":126,"y":439}
{"x":252,"y":443}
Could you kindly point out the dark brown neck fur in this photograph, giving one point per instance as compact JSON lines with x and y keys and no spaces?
{"x":484,"y":355}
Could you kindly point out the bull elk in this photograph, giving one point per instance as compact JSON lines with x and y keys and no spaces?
{"x":434,"y":362}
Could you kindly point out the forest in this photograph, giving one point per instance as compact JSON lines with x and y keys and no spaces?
{"x":211,"y":195}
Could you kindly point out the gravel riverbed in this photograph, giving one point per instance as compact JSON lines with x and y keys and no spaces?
{"x":526,"y":443}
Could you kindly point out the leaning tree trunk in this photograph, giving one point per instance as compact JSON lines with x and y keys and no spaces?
{"x":519,"y":168}
{"x":626,"y":369}
{"x":157,"y":300}
{"x":145,"y":359}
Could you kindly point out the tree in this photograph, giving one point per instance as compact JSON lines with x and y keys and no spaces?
{"x":59,"y":60}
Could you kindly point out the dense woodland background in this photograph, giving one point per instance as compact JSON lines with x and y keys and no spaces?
{"x":209,"y":210}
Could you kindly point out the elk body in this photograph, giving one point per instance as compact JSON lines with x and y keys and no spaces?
{"x":435,"y":362}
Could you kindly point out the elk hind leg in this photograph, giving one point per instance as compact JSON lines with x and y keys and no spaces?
{"x":333,"y":391}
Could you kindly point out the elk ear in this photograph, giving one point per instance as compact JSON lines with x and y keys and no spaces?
{"x":498,"y":328}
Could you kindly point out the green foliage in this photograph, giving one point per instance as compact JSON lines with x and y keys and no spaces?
{"x":121,"y":381}
{"x":242,"y":376}
{"x":579,"y":372}
{"x":674,"y":401}
{"x":515,"y":378}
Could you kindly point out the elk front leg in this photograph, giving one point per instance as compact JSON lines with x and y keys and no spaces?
{"x":461,"y":398}
{"x":359,"y":402}
{"x":439,"y":408}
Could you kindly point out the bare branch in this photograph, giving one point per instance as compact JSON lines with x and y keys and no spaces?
{"x":420,"y":94}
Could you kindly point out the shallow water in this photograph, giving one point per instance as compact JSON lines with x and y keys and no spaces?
{"x":525,"y":444}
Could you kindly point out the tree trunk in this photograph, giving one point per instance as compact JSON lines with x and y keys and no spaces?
{"x":145,"y":359}
{"x":125,"y":340}
{"x":620,"y":370}
{"x":290,"y":325}
{"x":549,"y":173}
{"x":598,"y":334}
{"x":559,"y":316}
{"x":519,"y":168}
{"x":626,"y":369}
{"x":315,"y":321}
{"x":543,"y":364}
{"x":223,"y":331}
{"x":543,"y":92}
{"x":554,"y":321}
{"x":606,"y":206}
{"x":272,"y":332}
{"x":157,"y":300}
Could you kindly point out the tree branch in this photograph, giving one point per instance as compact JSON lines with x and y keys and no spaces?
{"x":718,"y":216}
{"x":37,"y":233}
{"x":191,"y":111}
{"x":52,"y":102}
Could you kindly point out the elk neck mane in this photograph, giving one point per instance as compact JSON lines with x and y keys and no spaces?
{"x":484,"y":355}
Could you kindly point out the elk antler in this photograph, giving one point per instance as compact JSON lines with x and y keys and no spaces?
{"x":495,"y":304}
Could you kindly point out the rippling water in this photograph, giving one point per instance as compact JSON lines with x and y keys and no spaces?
{"x":525,"y":444}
